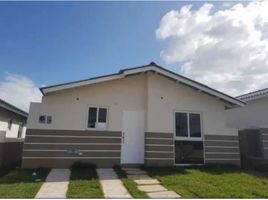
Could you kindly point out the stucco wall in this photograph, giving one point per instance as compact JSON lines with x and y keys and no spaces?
{"x":139,"y":92}
{"x":5,"y":116}
{"x":252,"y":115}
{"x":69,"y":113}
{"x":165,"y":96}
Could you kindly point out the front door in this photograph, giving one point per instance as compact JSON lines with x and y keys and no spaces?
{"x":132,"y":151}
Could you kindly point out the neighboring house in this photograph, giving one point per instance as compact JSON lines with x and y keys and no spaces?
{"x":12,"y":120}
{"x":253,"y":115}
{"x":252,"y":121}
{"x":143,"y":115}
{"x":12,"y":131}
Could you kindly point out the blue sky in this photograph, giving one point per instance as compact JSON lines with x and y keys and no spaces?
{"x":54,"y":42}
{"x":221,"y":44}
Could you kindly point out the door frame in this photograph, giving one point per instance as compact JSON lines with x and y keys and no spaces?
{"x":141,"y":134}
{"x":175,"y":138}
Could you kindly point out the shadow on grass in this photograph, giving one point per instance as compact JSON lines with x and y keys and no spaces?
{"x":19,"y":175}
{"x":129,"y":183}
{"x":22,"y":183}
{"x":84,"y":182}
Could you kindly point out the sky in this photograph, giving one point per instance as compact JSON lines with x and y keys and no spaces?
{"x":221,"y":44}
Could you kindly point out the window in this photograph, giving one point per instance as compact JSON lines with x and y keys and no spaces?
{"x":187,"y":125}
{"x":189,"y":152}
{"x":188,"y":143}
{"x":195,"y":125}
{"x":49,"y":119}
{"x":42,"y":119}
{"x":97,"y":117}
{"x":181,"y":124}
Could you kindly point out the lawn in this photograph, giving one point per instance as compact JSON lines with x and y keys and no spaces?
{"x":212,"y":181}
{"x":129,"y":184}
{"x":84,"y":183}
{"x":21,"y":183}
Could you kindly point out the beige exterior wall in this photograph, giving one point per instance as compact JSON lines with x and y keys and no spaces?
{"x":166,"y":96}
{"x":138,"y":92}
{"x":252,"y":115}
{"x":68,"y":113}
{"x":5,"y":116}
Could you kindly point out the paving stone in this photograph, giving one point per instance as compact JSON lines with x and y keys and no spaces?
{"x":147,"y":182}
{"x":163,"y":195}
{"x":56,"y":184}
{"x":112,"y":186}
{"x":151,"y":188}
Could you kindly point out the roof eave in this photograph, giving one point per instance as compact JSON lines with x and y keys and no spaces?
{"x":149,"y":67}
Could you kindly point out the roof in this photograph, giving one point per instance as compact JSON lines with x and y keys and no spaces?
{"x":12,"y":108}
{"x":254,"y":95}
{"x":228,"y":100}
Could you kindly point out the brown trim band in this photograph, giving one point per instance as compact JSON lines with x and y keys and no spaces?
{"x":63,"y":163}
{"x":73,"y":132}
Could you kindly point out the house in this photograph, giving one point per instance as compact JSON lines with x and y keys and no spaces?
{"x":252,"y":121}
{"x":253,"y":115}
{"x":12,"y":131}
{"x":142,"y":115}
{"x":12,"y":120}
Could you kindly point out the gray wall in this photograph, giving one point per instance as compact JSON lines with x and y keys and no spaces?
{"x":62,"y":148}
{"x":159,"y":149}
{"x":10,"y":151}
{"x":223,"y":149}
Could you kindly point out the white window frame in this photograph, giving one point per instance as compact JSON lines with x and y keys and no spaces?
{"x":188,"y":137}
{"x":97,"y":116}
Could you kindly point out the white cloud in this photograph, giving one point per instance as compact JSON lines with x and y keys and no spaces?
{"x":19,"y":91}
{"x":225,"y":49}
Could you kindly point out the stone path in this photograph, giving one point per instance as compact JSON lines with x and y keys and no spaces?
{"x":56,"y":184}
{"x":152,"y":187}
{"x":112,"y":186}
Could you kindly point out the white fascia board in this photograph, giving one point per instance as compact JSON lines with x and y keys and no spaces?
{"x":253,"y":97}
{"x":82,"y":83}
{"x":140,"y":70}
{"x":184,"y":80}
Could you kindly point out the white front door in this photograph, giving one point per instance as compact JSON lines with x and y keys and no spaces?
{"x":132,"y":151}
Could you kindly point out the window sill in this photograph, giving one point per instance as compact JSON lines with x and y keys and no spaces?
{"x":96,"y":129}
{"x":189,"y":139}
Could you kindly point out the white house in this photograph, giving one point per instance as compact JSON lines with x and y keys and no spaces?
{"x":12,"y":121}
{"x":252,"y":116}
{"x":143,"y":115}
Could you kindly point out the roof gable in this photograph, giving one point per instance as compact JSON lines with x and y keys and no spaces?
{"x":228,"y":100}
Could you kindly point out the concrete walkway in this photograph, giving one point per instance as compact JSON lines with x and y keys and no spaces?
{"x":56,"y":184}
{"x":151,"y":186}
{"x":112,"y":186}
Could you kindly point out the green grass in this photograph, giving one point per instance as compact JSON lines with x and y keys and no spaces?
{"x":84,"y":183}
{"x":20,"y":183}
{"x":129,"y":184}
{"x":212,"y":181}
